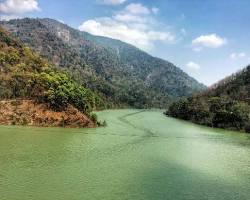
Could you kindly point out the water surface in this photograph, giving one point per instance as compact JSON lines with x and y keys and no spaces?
{"x":140,"y":155}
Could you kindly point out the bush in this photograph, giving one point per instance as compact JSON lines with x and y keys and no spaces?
{"x":221,"y":112}
{"x":247,"y":128}
{"x":93,"y":117}
{"x":100,"y":123}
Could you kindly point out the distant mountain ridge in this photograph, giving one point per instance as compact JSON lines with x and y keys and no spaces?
{"x":121,"y":74}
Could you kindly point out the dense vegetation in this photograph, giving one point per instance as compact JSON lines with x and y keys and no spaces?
{"x":121,"y":74}
{"x":224,"y":105}
{"x":24,"y":75}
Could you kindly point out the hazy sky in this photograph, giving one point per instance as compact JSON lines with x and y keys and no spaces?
{"x":209,"y":39}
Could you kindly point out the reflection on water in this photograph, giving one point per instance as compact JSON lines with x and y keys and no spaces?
{"x":139,"y":155}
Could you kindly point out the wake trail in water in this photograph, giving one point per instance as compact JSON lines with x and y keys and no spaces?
{"x":151,"y":134}
{"x":148,"y":133}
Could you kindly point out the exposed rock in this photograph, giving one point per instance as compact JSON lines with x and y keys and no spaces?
{"x":27,"y":112}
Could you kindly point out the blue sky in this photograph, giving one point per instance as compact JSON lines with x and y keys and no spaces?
{"x":208,"y":39}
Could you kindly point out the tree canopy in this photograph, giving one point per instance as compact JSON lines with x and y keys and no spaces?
{"x":224,"y":105}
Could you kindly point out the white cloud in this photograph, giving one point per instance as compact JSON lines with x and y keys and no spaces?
{"x":127,"y":17}
{"x":155,"y":10}
{"x":134,"y":24}
{"x":210,"y":41}
{"x":111,"y":2}
{"x":235,"y":56}
{"x":15,"y":9}
{"x":197,"y":49}
{"x":193,"y":65}
{"x":19,"y":6}
{"x":137,"y":8}
{"x":108,"y":27}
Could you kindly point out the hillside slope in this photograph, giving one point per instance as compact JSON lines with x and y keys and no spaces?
{"x":33,"y":92}
{"x":122,"y":74}
{"x":226,"y":104}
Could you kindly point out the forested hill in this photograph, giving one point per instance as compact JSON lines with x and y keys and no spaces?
{"x":236,"y":86}
{"x":226,"y":104}
{"x":121,"y":74}
{"x":33,"y":92}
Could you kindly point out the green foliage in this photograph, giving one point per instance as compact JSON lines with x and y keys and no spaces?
{"x":121,"y":74}
{"x":61,"y":90}
{"x":217,"y":112}
{"x":247,"y":128}
{"x":102,"y":123}
{"x":25,"y":75}
{"x":93,"y":117}
{"x":225,"y":106}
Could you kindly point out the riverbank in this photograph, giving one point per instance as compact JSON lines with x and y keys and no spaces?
{"x":27,"y":112}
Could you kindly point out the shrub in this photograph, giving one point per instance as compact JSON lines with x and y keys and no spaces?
{"x":247,"y":127}
{"x":93,"y":117}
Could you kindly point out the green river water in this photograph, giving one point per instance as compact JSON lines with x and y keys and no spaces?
{"x":140,"y":155}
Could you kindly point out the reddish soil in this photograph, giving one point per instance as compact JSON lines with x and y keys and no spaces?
{"x":27,"y":112}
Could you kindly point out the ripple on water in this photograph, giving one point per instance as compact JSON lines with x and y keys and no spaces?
{"x":141,"y":154}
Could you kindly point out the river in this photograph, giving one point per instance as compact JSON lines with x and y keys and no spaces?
{"x":140,"y":155}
